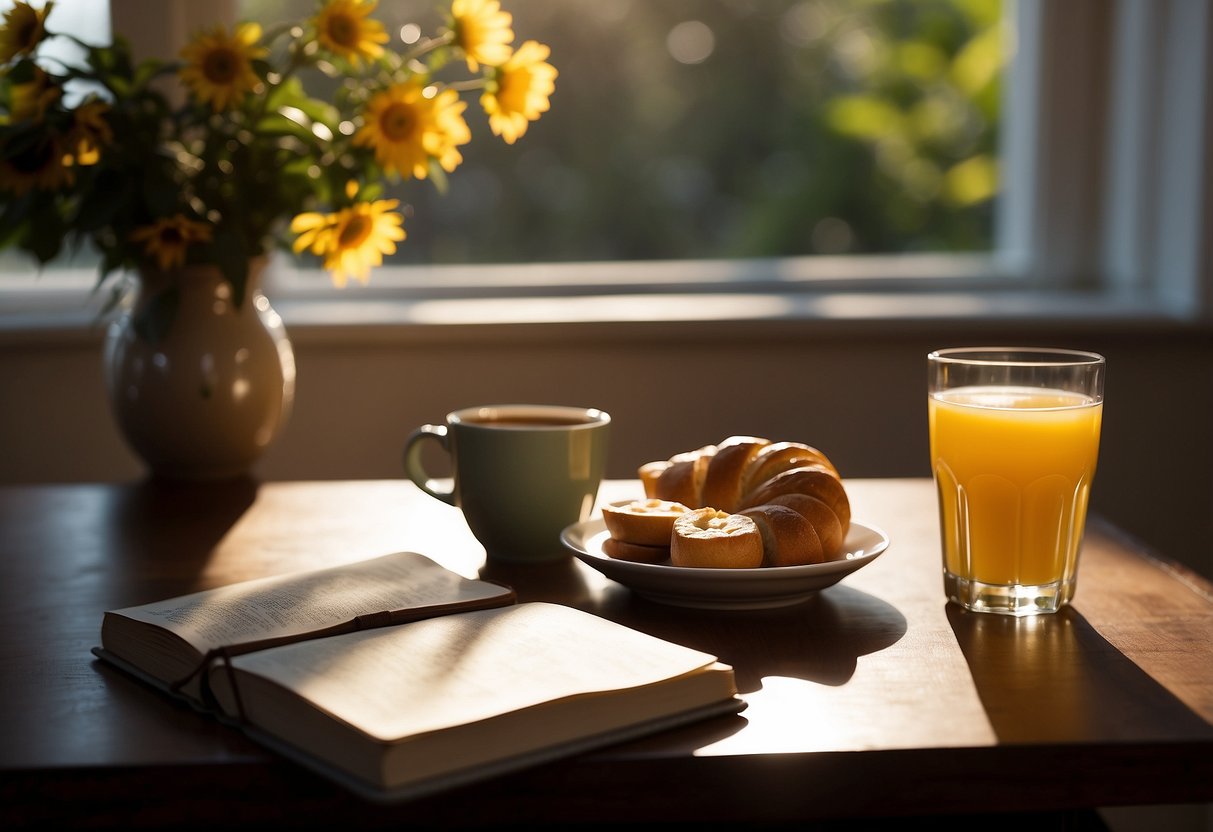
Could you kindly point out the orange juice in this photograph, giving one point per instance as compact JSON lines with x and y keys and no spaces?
{"x":1014,"y":467}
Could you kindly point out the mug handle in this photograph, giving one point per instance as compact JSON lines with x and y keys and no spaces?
{"x":412,"y":460}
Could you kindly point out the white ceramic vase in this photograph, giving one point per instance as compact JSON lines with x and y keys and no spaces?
{"x":204,"y":398}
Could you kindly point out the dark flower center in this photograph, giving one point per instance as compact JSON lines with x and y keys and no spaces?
{"x":396,"y":122}
{"x":355,"y":231}
{"x":220,"y":66}
{"x":343,"y":30}
{"x":37,"y":157}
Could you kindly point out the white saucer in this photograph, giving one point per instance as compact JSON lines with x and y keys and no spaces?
{"x":738,"y":589}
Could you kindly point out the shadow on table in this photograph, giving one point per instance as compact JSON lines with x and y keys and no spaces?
{"x":174,"y":525}
{"x":1053,"y":677}
{"x":558,"y":581}
{"x":819,"y":640}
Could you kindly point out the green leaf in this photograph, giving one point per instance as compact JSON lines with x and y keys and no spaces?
{"x":161,"y":195}
{"x":45,"y":233}
{"x":111,"y":261}
{"x":438,"y":176}
{"x":13,"y":216}
{"x":21,"y":72}
{"x":21,"y":138}
{"x":110,"y":194}
{"x":279,"y":124}
{"x":438,"y":59}
{"x":864,"y":116}
{"x":978,"y":62}
{"x":149,"y":70}
{"x":262,"y":67}
{"x":230,"y":251}
{"x":290,"y":93}
{"x":972,"y":181}
{"x":112,"y":60}
{"x":372,"y":191}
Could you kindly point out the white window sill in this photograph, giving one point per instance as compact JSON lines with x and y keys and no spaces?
{"x":602,"y":302}
{"x":660,"y":316}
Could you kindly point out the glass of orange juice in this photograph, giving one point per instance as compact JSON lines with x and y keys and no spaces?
{"x":1014,"y":442}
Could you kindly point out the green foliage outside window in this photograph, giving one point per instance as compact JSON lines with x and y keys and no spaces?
{"x":807,"y":127}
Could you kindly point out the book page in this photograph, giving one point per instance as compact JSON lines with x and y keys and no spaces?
{"x":441,"y":672}
{"x":304,"y":602}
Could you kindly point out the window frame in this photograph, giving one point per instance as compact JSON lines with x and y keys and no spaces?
{"x":1108,"y":187}
{"x":1109,"y":173}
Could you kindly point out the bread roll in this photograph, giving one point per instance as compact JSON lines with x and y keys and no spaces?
{"x":722,"y":484}
{"x":636,"y":552}
{"x":776,"y":457}
{"x":824,"y":521}
{"x":682,"y":481}
{"x":648,"y":522}
{"x":788,"y":538}
{"x":650,"y":472}
{"x":707,"y":537}
{"x":814,"y":481}
{"x":749,"y":472}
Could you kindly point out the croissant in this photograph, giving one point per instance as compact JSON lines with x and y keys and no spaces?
{"x":792,"y":493}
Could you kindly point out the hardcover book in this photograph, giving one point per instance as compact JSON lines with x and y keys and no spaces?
{"x":397,"y":677}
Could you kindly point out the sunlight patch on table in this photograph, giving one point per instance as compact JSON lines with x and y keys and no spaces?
{"x":816,"y":727}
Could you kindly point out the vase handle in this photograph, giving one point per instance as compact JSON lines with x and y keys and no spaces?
{"x":414,"y":467}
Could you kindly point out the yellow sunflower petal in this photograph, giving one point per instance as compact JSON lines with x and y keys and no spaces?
{"x":167,"y":240}
{"x":520,"y":95}
{"x":306,"y":220}
{"x":24,"y":28}
{"x":406,"y":129}
{"x":482,"y":32}
{"x":343,"y":27}
{"x":43,"y":166}
{"x":357,"y":237}
{"x":219,"y":66}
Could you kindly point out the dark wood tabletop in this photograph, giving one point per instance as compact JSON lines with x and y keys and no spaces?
{"x":874,"y":699}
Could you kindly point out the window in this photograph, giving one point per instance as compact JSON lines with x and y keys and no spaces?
{"x":706,"y":142}
{"x":723,"y":129}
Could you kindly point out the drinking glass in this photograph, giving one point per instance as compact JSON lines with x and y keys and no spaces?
{"x":1014,"y":440}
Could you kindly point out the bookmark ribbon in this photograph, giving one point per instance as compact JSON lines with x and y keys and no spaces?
{"x":222,"y":656}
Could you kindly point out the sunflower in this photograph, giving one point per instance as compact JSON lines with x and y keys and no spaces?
{"x":31,"y":100}
{"x":451,"y":130}
{"x":342,"y":27}
{"x":407,"y":128}
{"x":39,"y":166}
{"x":23,"y":30}
{"x":219,"y":66}
{"x":519,"y":93}
{"x":353,"y":240}
{"x":90,"y":131}
{"x":166,"y":240}
{"x":481,"y":30}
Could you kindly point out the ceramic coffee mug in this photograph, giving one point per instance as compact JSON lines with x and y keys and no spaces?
{"x":522,"y":472}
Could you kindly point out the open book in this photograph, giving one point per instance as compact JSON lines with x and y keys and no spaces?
{"x":397,"y":677}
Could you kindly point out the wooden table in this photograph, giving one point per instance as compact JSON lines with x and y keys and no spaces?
{"x":874,"y":699}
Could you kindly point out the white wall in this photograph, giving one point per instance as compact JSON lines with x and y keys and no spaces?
{"x":855,"y":391}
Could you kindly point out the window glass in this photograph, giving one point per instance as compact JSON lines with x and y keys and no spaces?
{"x":725,"y":128}
{"x":698,"y":129}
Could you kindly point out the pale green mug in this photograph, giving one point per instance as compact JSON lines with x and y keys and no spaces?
{"x":522,"y":473}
